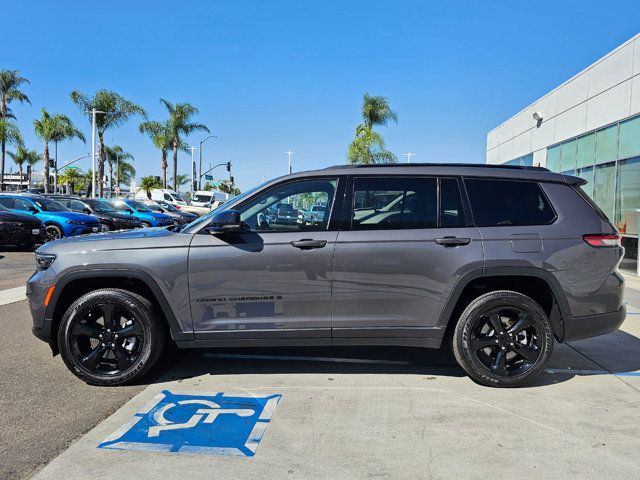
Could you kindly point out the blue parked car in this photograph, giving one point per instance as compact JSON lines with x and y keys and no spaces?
{"x":59,"y":221}
{"x":139,"y":210}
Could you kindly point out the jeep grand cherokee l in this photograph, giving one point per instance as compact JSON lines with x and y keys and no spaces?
{"x":497,"y":262}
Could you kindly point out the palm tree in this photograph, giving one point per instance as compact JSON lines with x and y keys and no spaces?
{"x":117,"y":111}
{"x":22,"y":156}
{"x":148,"y":183}
{"x":182,"y":179}
{"x":9,"y":135}
{"x":32,"y":159}
{"x":10,"y":82}
{"x":115,"y":154}
{"x":71,"y":177}
{"x":180,"y":125}
{"x":53,"y":128}
{"x":225,"y":186}
{"x":125,"y":172}
{"x":87,"y":182}
{"x":368,"y":146}
{"x":158,"y":132}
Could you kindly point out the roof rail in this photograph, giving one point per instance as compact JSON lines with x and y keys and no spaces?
{"x":474,"y":165}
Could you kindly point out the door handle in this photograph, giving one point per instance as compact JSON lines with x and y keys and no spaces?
{"x":308,"y":244}
{"x":452,"y":241}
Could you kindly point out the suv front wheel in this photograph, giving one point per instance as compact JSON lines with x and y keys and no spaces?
{"x":503,"y":339}
{"x":111,"y":337}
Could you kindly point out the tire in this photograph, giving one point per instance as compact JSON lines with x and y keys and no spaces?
{"x":53,"y":232}
{"x":105,"y":356}
{"x":503,"y":339}
{"x":105,"y":227}
{"x":145,"y":224}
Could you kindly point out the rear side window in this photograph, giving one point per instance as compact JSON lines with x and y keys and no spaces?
{"x":6,"y":201}
{"x":498,"y":203}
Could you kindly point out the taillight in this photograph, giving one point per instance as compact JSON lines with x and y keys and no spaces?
{"x":602,"y":240}
{"x":177,"y":206}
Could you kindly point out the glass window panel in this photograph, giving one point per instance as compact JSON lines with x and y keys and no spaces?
{"x":587,"y":174}
{"x":553,"y":158}
{"x":630,"y":138}
{"x":569,"y":155}
{"x":607,"y":144}
{"x":628,"y":197}
{"x":527,"y":160}
{"x":586,"y":150}
{"x":604,"y":185}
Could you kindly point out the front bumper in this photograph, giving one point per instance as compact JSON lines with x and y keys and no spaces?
{"x":577,"y":328}
{"x":22,"y":235}
{"x":72,"y":230}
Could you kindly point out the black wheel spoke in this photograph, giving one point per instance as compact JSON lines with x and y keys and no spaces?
{"x":93,"y":357}
{"x":133,"y":329}
{"x":109,"y":315}
{"x":88,"y":330}
{"x":124,"y":361}
{"x":482,"y":342}
{"x":530,"y":354}
{"x":499,"y":366}
{"x":520,"y":325}
{"x":496,"y":323}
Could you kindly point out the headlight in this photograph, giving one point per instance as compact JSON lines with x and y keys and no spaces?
{"x":44,"y":260}
{"x":76,"y":222}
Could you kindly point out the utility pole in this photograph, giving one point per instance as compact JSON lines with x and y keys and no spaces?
{"x":93,"y":113}
{"x":193,"y":169}
{"x":200,"y":166}
{"x":408,"y":155}
{"x":290,"y":153}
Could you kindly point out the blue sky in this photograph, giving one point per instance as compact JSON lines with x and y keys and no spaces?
{"x":272,"y":75}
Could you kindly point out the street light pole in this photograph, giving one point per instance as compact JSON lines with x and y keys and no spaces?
{"x":290,"y":153}
{"x":200,"y":162}
{"x":93,"y":113}
{"x":408,"y":155}
{"x":193,"y":168}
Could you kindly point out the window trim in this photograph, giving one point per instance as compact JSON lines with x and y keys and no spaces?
{"x":540,"y":187}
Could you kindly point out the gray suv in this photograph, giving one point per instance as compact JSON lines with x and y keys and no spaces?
{"x":495,"y":262}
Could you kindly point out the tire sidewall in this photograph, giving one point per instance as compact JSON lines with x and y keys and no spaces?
{"x":468,"y":320}
{"x":54,"y":227}
{"x":143,"y":314}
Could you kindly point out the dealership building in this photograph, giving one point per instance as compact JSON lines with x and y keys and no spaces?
{"x":589,"y":127}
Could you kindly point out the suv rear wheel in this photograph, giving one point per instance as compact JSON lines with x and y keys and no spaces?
{"x":503,"y":339}
{"x":111,"y":337}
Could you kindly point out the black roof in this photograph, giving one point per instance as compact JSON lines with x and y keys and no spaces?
{"x":472,"y":165}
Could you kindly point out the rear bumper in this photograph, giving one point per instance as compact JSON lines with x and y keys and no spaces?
{"x":577,"y":328}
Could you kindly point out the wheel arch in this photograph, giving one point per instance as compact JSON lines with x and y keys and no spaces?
{"x":73,"y":285}
{"x":537,"y":283}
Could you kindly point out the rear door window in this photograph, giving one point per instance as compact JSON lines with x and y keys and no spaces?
{"x":498,"y":203}
{"x":6,"y":201}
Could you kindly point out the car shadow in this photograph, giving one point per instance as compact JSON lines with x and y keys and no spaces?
{"x":615,"y":353}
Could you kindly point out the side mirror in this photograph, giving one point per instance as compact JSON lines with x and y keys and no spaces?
{"x":226,"y":221}
{"x":130,"y":211}
{"x":33,"y":210}
{"x":87,"y":210}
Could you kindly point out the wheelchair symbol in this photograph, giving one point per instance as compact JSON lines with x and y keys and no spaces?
{"x":206,"y":415}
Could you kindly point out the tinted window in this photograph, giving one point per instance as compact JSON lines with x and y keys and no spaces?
{"x":394,"y":203}
{"x":280,"y":209}
{"x":76,"y":205}
{"x":508,"y":202}
{"x":47,"y":205}
{"x":22,"y":204}
{"x":451,"y":209}
{"x":6,"y":201}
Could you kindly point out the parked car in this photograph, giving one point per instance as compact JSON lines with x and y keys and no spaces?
{"x":283,"y":213}
{"x":109,"y":217}
{"x":59,"y":221}
{"x":20,"y":230}
{"x":314,"y":214}
{"x":209,"y":199}
{"x":496,"y":262}
{"x":165,"y":194}
{"x":148,"y":218}
{"x":179,"y":217}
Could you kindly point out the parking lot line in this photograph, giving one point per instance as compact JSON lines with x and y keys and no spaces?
{"x":13,"y":295}
{"x":302,"y":358}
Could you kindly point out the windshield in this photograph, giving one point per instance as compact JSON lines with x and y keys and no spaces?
{"x":177,"y":197}
{"x":47,"y":205}
{"x":202,"y":198}
{"x":203,"y":220}
{"x":169,"y":207}
{"x":140,"y":207}
{"x":101,"y":207}
{"x":154,"y":206}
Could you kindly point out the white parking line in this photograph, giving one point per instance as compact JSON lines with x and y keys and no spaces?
{"x":301,"y":358}
{"x":13,"y":295}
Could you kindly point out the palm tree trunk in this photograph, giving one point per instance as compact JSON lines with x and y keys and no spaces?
{"x":111,"y":177}
{"x":164,"y":169}
{"x":20,"y":184}
{"x":101,"y":156}
{"x":175,"y":166}
{"x":45,"y":159}
{"x":4,"y":146}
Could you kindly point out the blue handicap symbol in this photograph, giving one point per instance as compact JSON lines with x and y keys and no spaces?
{"x":211,"y":424}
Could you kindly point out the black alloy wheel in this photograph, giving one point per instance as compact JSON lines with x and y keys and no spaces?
{"x":503,"y":339}
{"x":52,"y":232}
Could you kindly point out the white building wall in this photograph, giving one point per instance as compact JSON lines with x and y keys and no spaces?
{"x":603,"y":93}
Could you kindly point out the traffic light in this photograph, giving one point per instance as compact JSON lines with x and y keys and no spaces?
{"x":52,"y":162}
{"x":228,"y":166}
{"x":231,"y":180}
